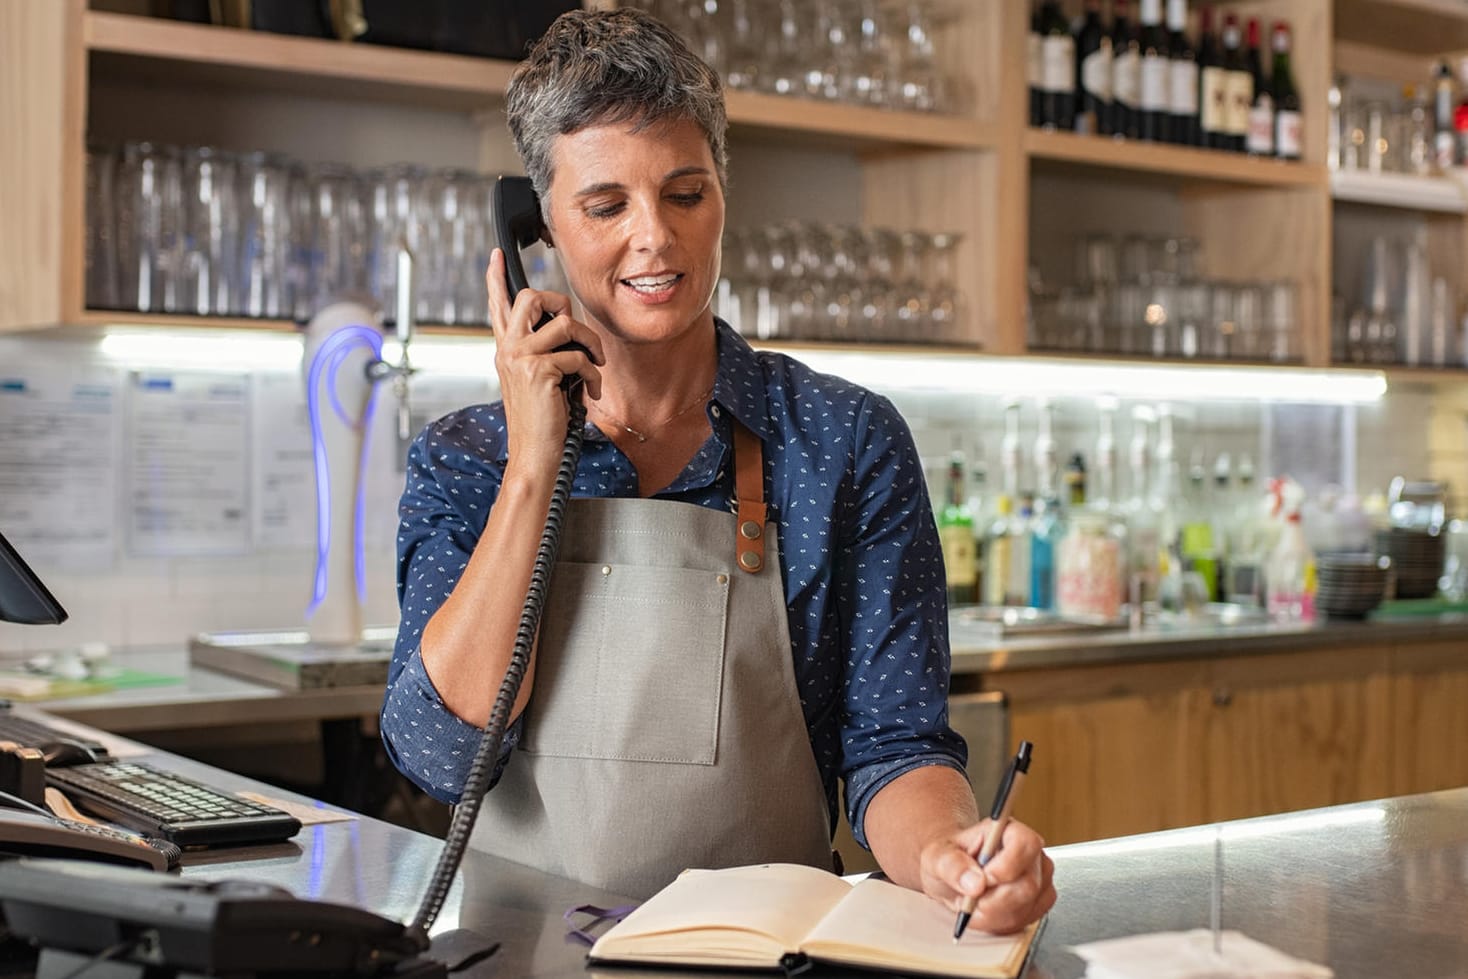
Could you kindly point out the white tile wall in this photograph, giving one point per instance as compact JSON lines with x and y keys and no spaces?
{"x":160,"y":600}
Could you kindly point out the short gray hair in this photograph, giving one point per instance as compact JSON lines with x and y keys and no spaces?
{"x":611,"y":66}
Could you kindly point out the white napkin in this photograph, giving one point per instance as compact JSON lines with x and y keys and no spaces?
{"x":1190,"y":955}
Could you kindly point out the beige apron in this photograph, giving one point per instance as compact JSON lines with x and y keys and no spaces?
{"x":665,"y":730}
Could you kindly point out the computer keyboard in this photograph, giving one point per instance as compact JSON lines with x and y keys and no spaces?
{"x":174,"y":807}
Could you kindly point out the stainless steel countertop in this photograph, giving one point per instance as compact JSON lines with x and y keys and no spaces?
{"x":975,"y":651}
{"x":205,"y":698}
{"x":1373,"y":890}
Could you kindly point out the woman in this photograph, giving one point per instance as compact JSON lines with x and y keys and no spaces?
{"x":701,"y":681}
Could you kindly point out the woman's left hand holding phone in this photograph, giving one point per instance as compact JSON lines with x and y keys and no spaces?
{"x":530,"y":367}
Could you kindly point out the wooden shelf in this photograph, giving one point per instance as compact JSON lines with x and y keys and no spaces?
{"x":173,"y":53}
{"x":1443,"y":195}
{"x":1184,"y":164}
{"x":1421,"y":27}
{"x":175,"y":321}
{"x":1397,"y":374}
{"x":180,"y":53}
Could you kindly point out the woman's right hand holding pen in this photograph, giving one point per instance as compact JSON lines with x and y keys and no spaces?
{"x":1013,"y":889}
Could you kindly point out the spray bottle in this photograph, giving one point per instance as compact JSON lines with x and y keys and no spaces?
{"x":1289,"y":572}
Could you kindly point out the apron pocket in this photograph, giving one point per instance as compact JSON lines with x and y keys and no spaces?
{"x":630,"y":665}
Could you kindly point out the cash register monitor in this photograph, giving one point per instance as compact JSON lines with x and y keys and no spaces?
{"x":23,"y":598}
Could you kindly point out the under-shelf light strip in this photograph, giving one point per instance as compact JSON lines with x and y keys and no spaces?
{"x":898,"y":370}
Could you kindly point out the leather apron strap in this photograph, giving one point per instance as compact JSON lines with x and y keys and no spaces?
{"x":749,"y":489}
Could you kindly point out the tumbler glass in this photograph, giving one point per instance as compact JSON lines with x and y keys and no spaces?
{"x":211,"y":222}
{"x":149,"y":203}
{"x":337,"y":234}
{"x":265,"y":235}
{"x":101,"y":241}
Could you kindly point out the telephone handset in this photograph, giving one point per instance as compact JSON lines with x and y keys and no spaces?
{"x":518,"y":224}
{"x":25,"y":833}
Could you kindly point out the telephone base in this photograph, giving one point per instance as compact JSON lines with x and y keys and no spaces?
{"x":55,"y":963}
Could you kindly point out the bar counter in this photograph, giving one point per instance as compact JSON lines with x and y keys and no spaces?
{"x":978,"y":650}
{"x":1373,"y":890}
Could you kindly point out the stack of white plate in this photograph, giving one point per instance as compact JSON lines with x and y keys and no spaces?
{"x":1417,"y":559}
{"x":1350,"y":585}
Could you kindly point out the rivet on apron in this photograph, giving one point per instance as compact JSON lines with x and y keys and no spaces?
{"x":750,"y":530}
{"x":750,"y":561}
{"x":606,"y":569}
{"x":722,"y":579}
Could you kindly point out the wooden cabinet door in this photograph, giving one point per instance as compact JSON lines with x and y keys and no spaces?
{"x":1283,"y":733}
{"x":1429,"y":701}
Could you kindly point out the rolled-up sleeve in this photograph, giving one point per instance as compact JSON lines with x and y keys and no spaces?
{"x":446,"y":499}
{"x":892,"y":605}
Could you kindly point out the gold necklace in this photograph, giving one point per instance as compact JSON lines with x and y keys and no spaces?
{"x":642,"y":436}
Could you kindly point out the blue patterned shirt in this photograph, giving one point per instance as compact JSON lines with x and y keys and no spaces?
{"x":859,"y":555}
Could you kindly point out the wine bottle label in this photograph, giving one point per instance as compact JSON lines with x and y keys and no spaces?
{"x":1036,"y":59}
{"x":1183,"y":98}
{"x":1260,"y":139}
{"x":1442,"y":155}
{"x":1213,"y":112}
{"x":1058,"y":53}
{"x":1156,"y":87}
{"x":1126,"y":78}
{"x":1096,"y":71}
{"x":1287,"y":133}
{"x":1240,"y":97}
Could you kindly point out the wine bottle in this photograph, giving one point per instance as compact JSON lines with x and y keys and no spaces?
{"x":1033,"y":67}
{"x":1444,"y":98}
{"x":1259,"y":140}
{"x":1126,"y":72}
{"x":1093,"y":74}
{"x":1155,"y":123}
{"x":1183,"y":97}
{"x":1212,"y":90}
{"x":1286,"y":97}
{"x":1238,"y":83}
{"x":1057,"y":57}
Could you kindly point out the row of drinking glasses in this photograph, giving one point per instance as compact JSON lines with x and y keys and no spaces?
{"x":803,"y":281}
{"x":1253,"y":321}
{"x":1404,"y":315}
{"x":869,"y":52}
{"x":203,"y":231}
{"x":1144,"y":295}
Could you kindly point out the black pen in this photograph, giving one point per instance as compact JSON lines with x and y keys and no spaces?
{"x":999,"y":813}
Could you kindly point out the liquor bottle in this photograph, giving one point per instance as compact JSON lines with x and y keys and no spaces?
{"x":1126,"y":72}
{"x":1239,"y":84}
{"x":1014,"y":584}
{"x":1196,"y":544}
{"x":978,"y":508}
{"x":1444,"y":99}
{"x":1057,"y":69}
{"x":998,"y":552}
{"x":1075,"y":481}
{"x":1212,"y":86}
{"x":1047,"y":525}
{"x":1286,"y":97}
{"x":1183,"y":97}
{"x":1093,"y":74}
{"x":1155,"y":123}
{"x":1259,"y":140}
{"x":1035,"y":62}
{"x":1090,"y":567}
{"x":956,"y":534}
{"x":1143,"y":532}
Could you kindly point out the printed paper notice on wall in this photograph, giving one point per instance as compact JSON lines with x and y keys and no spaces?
{"x":285,"y":483}
{"x":58,"y":465}
{"x":188,"y":463}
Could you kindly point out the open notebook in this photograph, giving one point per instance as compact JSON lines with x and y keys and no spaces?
{"x":760,"y":916}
